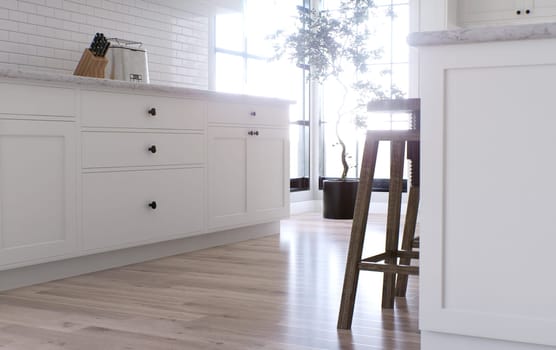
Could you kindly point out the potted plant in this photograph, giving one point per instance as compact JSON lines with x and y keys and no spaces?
{"x":334,"y":46}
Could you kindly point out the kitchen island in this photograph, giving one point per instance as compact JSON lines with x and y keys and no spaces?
{"x":487,"y":195}
{"x":97,"y":173}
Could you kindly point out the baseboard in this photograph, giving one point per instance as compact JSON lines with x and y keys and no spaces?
{"x":297,"y":208}
{"x":378,"y":205}
{"x":29,"y":275}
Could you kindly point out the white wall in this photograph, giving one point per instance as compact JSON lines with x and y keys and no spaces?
{"x":50,"y":35}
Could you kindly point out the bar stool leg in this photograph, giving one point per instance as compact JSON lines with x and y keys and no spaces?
{"x":408,"y":236}
{"x":358,"y":228}
{"x":397,"y":149}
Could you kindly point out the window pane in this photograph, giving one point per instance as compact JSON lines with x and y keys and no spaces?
{"x":389,"y":32}
{"x":230,"y":75}
{"x":400,"y":31}
{"x":299,"y":151}
{"x":229,"y":32}
{"x":274,"y":79}
{"x":380,"y":26}
{"x":400,"y":77}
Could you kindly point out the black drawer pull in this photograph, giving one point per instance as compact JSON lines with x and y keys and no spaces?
{"x":152,"y":111}
{"x":152,"y":149}
{"x":253,"y":114}
{"x":250,"y":133}
{"x":527,"y":11}
{"x":152,"y":205}
{"x":256,"y":133}
{"x":518,"y":12}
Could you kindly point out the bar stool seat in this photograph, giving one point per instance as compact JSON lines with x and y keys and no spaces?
{"x":393,"y":262}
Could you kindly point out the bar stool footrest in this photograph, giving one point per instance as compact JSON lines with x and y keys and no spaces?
{"x":376,"y":262}
{"x":390,"y":268}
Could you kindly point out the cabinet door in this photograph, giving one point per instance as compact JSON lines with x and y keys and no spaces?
{"x":227,"y":176}
{"x":544,"y":8}
{"x":489,"y":11}
{"x":268,"y":174}
{"x":37,"y":191}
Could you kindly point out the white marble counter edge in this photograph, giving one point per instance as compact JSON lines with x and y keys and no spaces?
{"x":483,"y":34}
{"x":156,"y":88}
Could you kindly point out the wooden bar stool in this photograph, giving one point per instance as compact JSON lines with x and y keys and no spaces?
{"x":386,"y":262}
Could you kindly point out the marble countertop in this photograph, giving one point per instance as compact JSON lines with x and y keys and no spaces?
{"x":483,"y":34}
{"x":140,"y":87}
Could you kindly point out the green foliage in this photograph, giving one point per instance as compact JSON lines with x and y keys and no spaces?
{"x":334,"y":44}
{"x":329,"y":42}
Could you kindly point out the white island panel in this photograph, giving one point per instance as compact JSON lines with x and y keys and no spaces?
{"x":487,"y":152}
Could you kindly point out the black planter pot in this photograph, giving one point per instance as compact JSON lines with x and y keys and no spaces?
{"x":338,"y":198}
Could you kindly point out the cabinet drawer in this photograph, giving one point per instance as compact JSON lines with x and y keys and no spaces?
{"x":100,"y":109}
{"x":115,"y":149}
{"x":236,"y":113}
{"x":37,"y":100}
{"x":116,"y":211}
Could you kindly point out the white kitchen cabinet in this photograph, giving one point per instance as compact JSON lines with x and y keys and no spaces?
{"x":92,"y":166}
{"x":248,"y":175}
{"x":37,"y":190}
{"x":481,"y":12}
{"x":487,"y":143}
{"x":141,"y":186}
{"x":137,"y":207}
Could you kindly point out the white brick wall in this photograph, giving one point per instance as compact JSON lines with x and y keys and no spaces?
{"x":50,"y":35}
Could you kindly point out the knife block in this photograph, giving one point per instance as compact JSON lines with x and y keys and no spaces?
{"x":90,"y":65}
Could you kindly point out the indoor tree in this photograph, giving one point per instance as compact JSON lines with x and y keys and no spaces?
{"x":335,"y":45}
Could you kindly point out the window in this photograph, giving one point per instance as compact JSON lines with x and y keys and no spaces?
{"x":242,"y":53}
{"x":389,"y":24}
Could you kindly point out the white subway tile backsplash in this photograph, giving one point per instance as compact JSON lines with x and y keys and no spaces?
{"x":62,"y":14}
{"x":54,"y":63}
{"x":45,"y":11}
{"x":62,"y":54}
{"x":94,"y":3}
{"x":71,"y":27}
{"x":18,"y":16}
{"x":54,"y":3}
{"x":18,"y":37}
{"x":9,"y":4}
{"x":16,"y":58}
{"x":45,"y":51}
{"x":34,"y":20}
{"x":37,"y":61}
{"x":69,"y":5}
{"x":38,"y":2}
{"x":8,"y":25}
{"x":50,"y":35}
{"x":27,"y":7}
{"x":37,"y":41}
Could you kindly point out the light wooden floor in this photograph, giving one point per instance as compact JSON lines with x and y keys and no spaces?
{"x":279,"y":292}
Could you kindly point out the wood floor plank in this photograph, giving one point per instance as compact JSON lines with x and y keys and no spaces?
{"x":277,"y":292}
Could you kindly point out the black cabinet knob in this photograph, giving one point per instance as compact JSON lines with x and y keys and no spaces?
{"x":152,"y":111}
{"x":256,"y":133}
{"x":152,"y":149}
{"x":518,"y":12}
{"x":527,"y":11}
{"x":253,"y":114}
{"x":250,"y":133}
{"x":152,"y":205}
